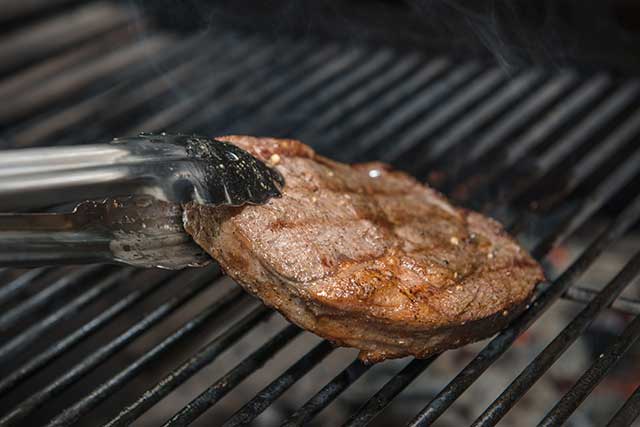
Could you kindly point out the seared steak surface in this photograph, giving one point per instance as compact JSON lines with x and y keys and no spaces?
{"x":367,"y":257}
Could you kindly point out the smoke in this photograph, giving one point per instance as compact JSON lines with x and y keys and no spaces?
{"x":515,"y":33}
{"x":180,"y":15}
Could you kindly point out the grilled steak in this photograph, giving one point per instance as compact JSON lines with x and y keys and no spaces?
{"x":367,"y":257}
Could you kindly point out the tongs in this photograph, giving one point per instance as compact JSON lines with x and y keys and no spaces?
{"x":124,"y":199}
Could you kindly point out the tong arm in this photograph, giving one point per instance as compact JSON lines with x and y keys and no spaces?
{"x":142,"y":182}
{"x":174,"y":168}
{"x":139,"y":231}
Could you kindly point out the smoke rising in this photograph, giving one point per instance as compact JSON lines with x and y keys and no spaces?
{"x":514,"y":32}
{"x":551,"y":33}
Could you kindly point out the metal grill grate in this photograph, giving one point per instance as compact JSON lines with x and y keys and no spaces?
{"x":552,"y":154}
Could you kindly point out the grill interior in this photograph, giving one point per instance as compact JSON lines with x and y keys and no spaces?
{"x":553,"y":154}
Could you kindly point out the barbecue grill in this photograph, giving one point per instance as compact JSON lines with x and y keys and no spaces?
{"x":551,"y":152}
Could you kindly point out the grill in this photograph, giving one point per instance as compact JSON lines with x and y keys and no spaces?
{"x":552,"y":154}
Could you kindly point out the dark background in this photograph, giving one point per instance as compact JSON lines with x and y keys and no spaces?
{"x":592,"y":34}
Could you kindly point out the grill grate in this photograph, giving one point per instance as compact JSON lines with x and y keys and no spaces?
{"x":493,"y":142}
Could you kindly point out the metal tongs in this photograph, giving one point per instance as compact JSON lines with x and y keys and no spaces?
{"x":126,"y":199}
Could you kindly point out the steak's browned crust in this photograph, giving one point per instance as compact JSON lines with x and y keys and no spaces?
{"x":367,"y":257}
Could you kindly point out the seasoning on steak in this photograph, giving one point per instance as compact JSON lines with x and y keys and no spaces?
{"x":367,"y":257}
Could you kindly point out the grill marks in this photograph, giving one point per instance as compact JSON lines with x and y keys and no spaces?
{"x":367,"y":257}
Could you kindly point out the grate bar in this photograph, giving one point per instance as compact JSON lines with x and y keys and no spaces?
{"x":494,"y":106}
{"x":615,"y":105}
{"x":240,"y":58}
{"x":277,"y":387}
{"x":140,"y":93}
{"x":42,"y":130}
{"x":64,"y":85}
{"x":502,"y":131}
{"x":263,"y":94}
{"x":45,"y":38}
{"x":306,"y":66}
{"x":56,"y":289}
{"x":412,"y":110}
{"x":365,"y":81}
{"x":57,"y":349}
{"x":72,"y":414}
{"x":545,"y":359}
{"x":101,"y":354}
{"x":20,"y":284}
{"x":220,"y":388}
{"x":596,"y":199}
{"x":480,"y":87}
{"x":599,"y":156}
{"x":26,"y":338}
{"x":362,"y":120}
{"x":122,"y":113}
{"x":386,"y":79}
{"x":114,"y":99}
{"x":622,"y":135}
{"x":124,"y":98}
{"x":586,"y":94}
{"x":590,"y":379}
{"x":628,"y":412}
{"x":388,"y":392}
{"x":335,"y":105}
{"x":585,"y":295}
{"x":498,"y":345}
{"x":562,"y":113}
{"x":412,"y":113}
{"x":21,"y":83}
{"x":186,"y":370}
{"x":326,"y":92}
{"x":330,"y":91}
{"x":591,"y":124}
{"x":327,"y":394}
{"x":251,"y":83}
{"x":290,"y":89}
{"x":322,"y":75}
{"x":12,"y":10}
{"x":604,"y":190}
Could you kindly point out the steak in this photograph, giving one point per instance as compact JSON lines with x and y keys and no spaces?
{"x":367,"y":257}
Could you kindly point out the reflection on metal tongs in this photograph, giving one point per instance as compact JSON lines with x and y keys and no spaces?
{"x":127,"y":196}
